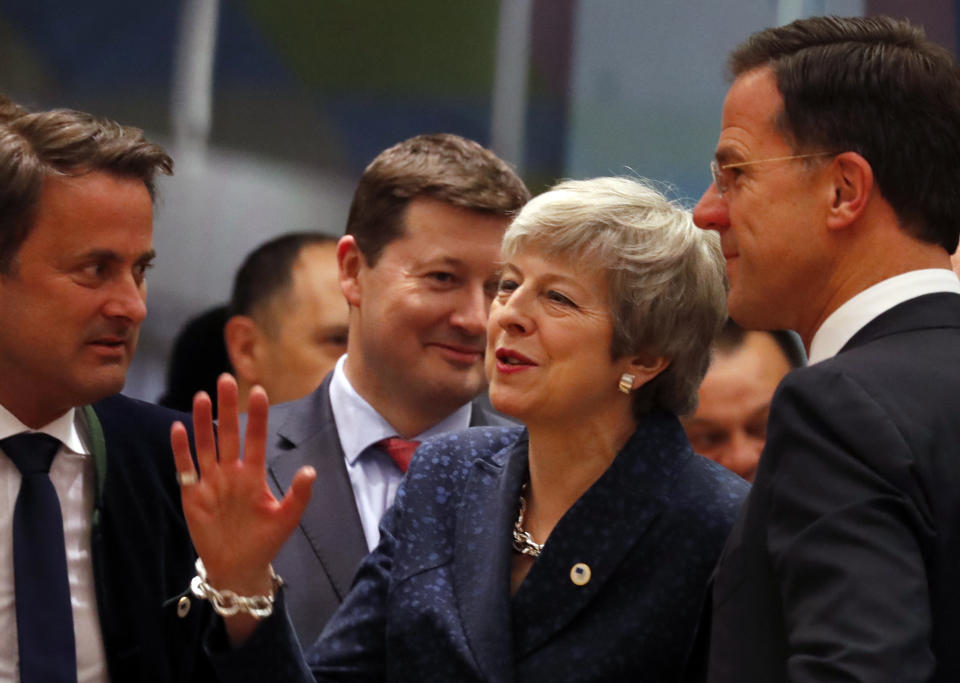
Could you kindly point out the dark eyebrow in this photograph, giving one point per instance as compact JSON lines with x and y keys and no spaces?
{"x":102,"y":255}
{"x":438,"y":261}
{"x":551,"y":279}
{"x":727,"y":155}
{"x":111,"y":255}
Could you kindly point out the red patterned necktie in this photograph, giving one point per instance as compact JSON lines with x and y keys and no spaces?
{"x":399,"y":450}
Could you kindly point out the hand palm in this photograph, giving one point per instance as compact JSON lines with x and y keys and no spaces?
{"x":236,"y":523}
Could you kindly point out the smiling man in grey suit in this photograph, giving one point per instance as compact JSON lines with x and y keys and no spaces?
{"x":418,"y":267}
{"x":835,"y":196}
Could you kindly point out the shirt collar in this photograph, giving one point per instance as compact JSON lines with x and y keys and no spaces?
{"x":855,"y":313}
{"x":66,"y":429}
{"x":360,"y":426}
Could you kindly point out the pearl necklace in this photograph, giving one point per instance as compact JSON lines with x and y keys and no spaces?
{"x":523,"y":542}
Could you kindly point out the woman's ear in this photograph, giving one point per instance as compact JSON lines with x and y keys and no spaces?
{"x":644,"y":367}
{"x":851,"y":186}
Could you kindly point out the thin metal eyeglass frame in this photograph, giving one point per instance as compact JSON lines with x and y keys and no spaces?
{"x":717,"y":170}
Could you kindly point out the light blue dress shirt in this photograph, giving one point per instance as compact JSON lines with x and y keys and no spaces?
{"x":373,"y":475}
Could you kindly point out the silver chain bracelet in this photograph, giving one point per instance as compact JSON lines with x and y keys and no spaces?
{"x":226,"y":603}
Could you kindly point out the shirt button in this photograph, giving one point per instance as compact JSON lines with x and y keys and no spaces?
{"x":183,"y":607}
{"x":580,"y":574}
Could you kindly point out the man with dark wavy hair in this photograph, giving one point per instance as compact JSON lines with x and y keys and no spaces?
{"x":835,"y":195}
{"x":92,"y":540}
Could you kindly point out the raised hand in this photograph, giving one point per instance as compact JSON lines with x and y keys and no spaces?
{"x":236,"y":523}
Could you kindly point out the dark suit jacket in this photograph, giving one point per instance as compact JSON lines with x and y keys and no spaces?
{"x":845,"y":562}
{"x":142,"y":554}
{"x":433,"y":603}
{"x":320,"y":559}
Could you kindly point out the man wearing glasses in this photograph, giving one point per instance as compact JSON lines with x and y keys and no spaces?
{"x":836,"y":197}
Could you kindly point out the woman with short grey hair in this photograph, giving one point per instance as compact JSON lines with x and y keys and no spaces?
{"x":577,"y":547}
{"x":665,"y":276}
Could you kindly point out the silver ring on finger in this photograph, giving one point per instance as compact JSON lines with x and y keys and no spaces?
{"x":187,"y":478}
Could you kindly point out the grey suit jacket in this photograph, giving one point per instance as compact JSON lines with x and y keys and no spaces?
{"x":319,"y":560}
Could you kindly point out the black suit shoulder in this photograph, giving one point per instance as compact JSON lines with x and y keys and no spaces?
{"x":140,"y":473}
{"x":142,"y":427}
{"x":891,"y":404}
{"x":854,"y":515}
{"x":151,"y":415}
{"x":142,"y":553}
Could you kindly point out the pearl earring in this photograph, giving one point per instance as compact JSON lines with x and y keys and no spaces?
{"x":626,"y":382}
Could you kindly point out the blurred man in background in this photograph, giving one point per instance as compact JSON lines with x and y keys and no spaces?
{"x":287,"y":322}
{"x":733,"y":402}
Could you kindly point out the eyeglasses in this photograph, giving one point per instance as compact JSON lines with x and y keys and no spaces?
{"x":721,"y":180}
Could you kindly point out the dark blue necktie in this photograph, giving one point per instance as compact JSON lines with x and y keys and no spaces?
{"x":48,"y":651}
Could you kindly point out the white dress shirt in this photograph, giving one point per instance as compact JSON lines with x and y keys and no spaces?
{"x":373,"y":475}
{"x":854,"y":314}
{"x":73,"y":476}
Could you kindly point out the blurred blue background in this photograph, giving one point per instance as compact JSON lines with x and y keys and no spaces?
{"x":272,"y":108}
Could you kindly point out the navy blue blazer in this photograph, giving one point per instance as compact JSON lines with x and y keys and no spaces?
{"x":141,"y":549}
{"x":319,"y":560}
{"x":844,"y":565}
{"x":432,"y":602}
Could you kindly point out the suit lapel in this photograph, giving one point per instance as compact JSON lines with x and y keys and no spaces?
{"x":923,"y":312}
{"x":308,"y":436}
{"x":482,"y":556}
{"x":599,"y":530}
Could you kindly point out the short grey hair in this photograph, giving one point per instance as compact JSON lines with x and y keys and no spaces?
{"x":666,"y":281}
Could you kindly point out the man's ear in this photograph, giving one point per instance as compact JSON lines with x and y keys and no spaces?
{"x":351,"y":262}
{"x":242,"y":339}
{"x":644,"y":367}
{"x":851,"y":185}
